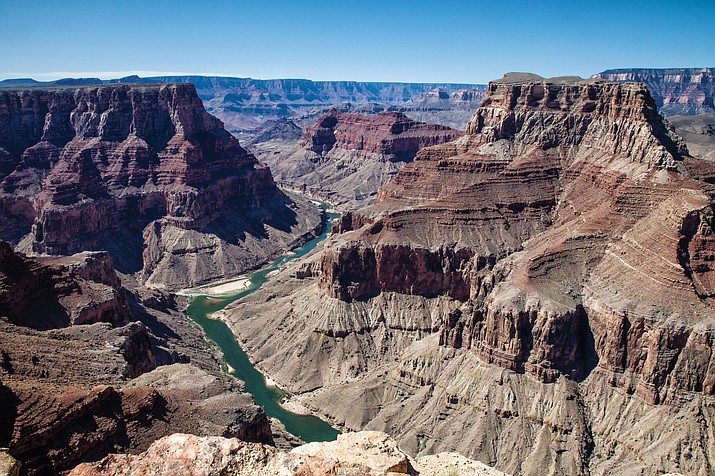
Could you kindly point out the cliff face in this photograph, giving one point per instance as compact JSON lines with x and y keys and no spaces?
{"x":559,"y":255}
{"x":57,"y":292}
{"x":389,"y":134}
{"x":346,"y":157}
{"x":247,"y":105}
{"x":89,"y":168}
{"x":675,"y":90}
{"x":78,"y":379}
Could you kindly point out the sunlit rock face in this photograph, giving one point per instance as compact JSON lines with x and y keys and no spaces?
{"x":544,"y":283}
{"x":136,"y":169}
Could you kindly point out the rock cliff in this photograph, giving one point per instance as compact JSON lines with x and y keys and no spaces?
{"x":543,"y":283}
{"x":675,"y":90}
{"x":248,"y":105}
{"x":346,"y":157}
{"x":359,"y":454}
{"x":57,"y":292}
{"x":144,"y":172}
{"x":79,"y":379}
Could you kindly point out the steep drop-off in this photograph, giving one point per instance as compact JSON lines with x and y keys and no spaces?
{"x":345,"y":157}
{"x":247,"y":105}
{"x":536,"y":294}
{"x":675,"y":90}
{"x":145,"y":173}
{"x":87,"y":367}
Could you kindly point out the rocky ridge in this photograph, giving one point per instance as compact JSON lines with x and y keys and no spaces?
{"x":88,"y":367}
{"x":675,"y":90}
{"x":144,"y":172}
{"x":544,"y":283}
{"x":359,"y":454}
{"x":345,"y":157}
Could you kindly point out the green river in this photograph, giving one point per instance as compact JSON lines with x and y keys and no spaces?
{"x":308,"y":428}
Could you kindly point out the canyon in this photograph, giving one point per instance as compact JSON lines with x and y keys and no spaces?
{"x":345,"y":157}
{"x":90,"y":365}
{"x":144,"y":172}
{"x":248,"y":105}
{"x":536,"y":295}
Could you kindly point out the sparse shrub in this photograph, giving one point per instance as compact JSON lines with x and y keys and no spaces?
{"x":452,"y":471}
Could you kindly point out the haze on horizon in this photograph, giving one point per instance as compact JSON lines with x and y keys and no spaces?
{"x":429,"y":41}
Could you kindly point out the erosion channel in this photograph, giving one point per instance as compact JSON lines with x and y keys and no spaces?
{"x":307,"y":427}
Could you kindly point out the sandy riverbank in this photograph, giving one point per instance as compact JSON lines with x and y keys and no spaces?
{"x":231,"y":287}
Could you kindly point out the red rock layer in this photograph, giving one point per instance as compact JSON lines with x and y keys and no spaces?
{"x":45,"y":293}
{"x":391,"y":134}
{"x":81,"y":164}
{"x":571,"y":227}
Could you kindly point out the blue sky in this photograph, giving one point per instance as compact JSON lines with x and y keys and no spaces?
{"x":414,"y":41}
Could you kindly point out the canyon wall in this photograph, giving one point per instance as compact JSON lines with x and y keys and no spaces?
{"x":675,"y":90}
{"x":88,"y":367}
{"x":246,"y":104}
{"x":345,"y":157}
{"x":543,"y":283}
{"x":144,"y":172}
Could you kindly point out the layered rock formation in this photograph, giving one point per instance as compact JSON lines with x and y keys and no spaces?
{"x":247,"y":105}
{"x":536,"y":294}
{"x":62,"y":291}
{"x":359,"y":454}
{"x":675,"y":90}
{"x":79,"y":379}
{"x":346,"y":157}
{"x":144,"y":172}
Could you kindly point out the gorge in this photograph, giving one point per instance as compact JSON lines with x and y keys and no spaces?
{"x":534,"y":293}
{"x":542,"y":283}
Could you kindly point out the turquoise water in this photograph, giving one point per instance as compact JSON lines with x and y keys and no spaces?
{"x":308,"y":428}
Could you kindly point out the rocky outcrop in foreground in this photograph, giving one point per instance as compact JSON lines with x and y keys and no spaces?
{"x":536,"y":294}
{"x":346,"y":157}
{"x":675,"y":90}
{"x":145,"y":173}
{"x":88,"y":367}
{"x":359,"y":454}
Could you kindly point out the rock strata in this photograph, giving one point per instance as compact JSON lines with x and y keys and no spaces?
{"x":675,"y":90}
{"x":344,"y":157}
{"x":45,"y":293}
{"x":542,"y":283}
{"x":80,"y":377}
{"x":144,"y":172}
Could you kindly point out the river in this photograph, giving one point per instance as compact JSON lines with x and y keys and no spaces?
{"x":307,"y":427}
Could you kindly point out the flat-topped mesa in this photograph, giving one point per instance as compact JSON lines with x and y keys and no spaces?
{"x":618,"y":119}
{"x":390,"y":134}
{"x":83,"y":165}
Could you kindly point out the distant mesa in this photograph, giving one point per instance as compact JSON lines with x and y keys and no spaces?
{"x":677,"y":91}
{"x":345,"y":157}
